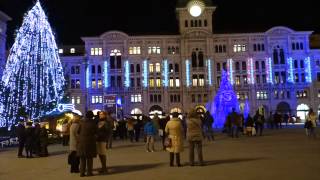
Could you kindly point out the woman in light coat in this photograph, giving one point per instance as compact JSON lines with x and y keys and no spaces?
{"x":175,"y":133}
{"x":194,"y":136}
{"x":74,"y":141}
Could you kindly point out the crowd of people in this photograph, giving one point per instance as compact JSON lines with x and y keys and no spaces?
{"x":32,"y":138}
{"x":91,"y":136}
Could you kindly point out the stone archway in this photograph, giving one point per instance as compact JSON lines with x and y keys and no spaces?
{"x":283,"y":107}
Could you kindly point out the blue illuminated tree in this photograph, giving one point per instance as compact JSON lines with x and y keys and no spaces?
{"x":33,"y":79}
{"x":224,"y":101}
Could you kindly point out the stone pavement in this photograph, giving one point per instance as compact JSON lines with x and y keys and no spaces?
{"x":281,"y":154}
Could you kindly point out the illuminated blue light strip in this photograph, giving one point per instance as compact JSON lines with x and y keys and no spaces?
{"x":290,"y":78}
{"x":209,"y":72}
{"x":106,"y":74}
{"x":145,"y":74}
{"x":250,"y":71}
{"x":188,"y":83}
{"x":126,"y":74}
{"x":307,"y":64}
{"x":165,"y":73}
{"x":230,"y":70}
{"x":269,"y":71}
{"x":88,"y":81}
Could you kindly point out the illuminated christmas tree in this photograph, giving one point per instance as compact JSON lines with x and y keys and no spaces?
{"x":224,"y":101}
{"x":33,"y":79}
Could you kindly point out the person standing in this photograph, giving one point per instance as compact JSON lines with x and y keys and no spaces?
{"x":43,"y":141}
{"x":194,"y":136}
{"x":162,"y":125}
{"x":150,"y":131}
{"x":29,"y":139}
{"x":74,"y":159}
{"x":312,"y":121}
{"x":175,"y":133}
{"x":259,"y":122}
{"x":103,"y":132}
{"x":130,"y":128}
{"x":208,"y":126}
{"x":234,"y":118}
{"x":65,"y":132}
{"x":110,"y":120}
{"x":21,"y":134}
{"x":87,"y":144}
{"x":36,"y":138}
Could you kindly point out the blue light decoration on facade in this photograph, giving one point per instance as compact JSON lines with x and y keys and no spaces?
{"x":307,"y":69}
{"x":33,"y":80}
{"x":250,"y":70}
{"x":230,"y":70}
{"x":88,"y":79}
{"x":119,"y":102}
{"x":290,"y":78}
{"x":269,"y":70}
{"x":126,"y":74}
{"x":209,"y":72}
{"x":165,"y":73}
{"x":145,"y":74}
{"x":188,"y":82}
{"x":106,"y":74}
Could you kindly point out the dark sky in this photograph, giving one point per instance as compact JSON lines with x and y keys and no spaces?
{"x":71,"y":19}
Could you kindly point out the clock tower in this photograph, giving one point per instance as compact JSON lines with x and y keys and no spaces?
{"x":195,"y":15}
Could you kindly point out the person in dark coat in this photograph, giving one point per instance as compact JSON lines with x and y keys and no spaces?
{"x":87,"y":144}
{"x":162,"y":125}
{"x":29,"y":139}
{"x":208,"y":122}
{"x":20,"y":131}
{"x":259,"y":122}
{"x":44,"y":141}
{"x":36,"y":139}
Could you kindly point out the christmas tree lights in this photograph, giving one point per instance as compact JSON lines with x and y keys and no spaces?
{"x":33,"y":79}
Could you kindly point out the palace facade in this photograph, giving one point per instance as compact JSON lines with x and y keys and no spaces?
{"x":273,"y":70}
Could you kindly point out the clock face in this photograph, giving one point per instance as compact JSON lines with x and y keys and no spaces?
{"x":195,"y":10}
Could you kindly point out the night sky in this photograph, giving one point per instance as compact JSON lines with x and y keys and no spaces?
{"x":72,"y":19}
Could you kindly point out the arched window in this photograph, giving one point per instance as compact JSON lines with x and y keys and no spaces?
{"x":186,"y":23}
{"x":195,"y":23}
{"x":176,"y":67}
{"x":282,"y":59}
{"x":296,"y":64}
{"x":205,"y":23}
{"x":115,"y":59}
{"x":73,"y":70}
{"x":131,"y":68}
{"x":173,"y":50}
{"x":293,"y":46}
{"x":191,"y":23}
{"x":93,"y":69}
{"x":169,"y":50}
{"x":218,"y":67}
{"x":194,"y":59}
{"x":244,"y":66}
{"x":297,"y":46}
{"x":170,"y":67}
{"x":200,"y":23}
{"x":263,"y":65}
{"x":220,"y":49}
{"x":200,"y":58}
{"x":216,"y":48}
{"x":177,"y":50}
{"x":257,"y":65}
{"x":237,"y":66}
{"x":275,"y":57}
{"x":262,"y":47}
{"x":224,"y":48}
{"x":99,"y":69}
{"x":254,"y":47}
{"x":301,"y":64}
{"x":301,"y":46}
{"x":224,"y":66}
{"x":138,"y":68}
{"x":259,"y":47}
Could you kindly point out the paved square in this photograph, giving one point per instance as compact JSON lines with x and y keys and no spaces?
{"x":283,"y":154}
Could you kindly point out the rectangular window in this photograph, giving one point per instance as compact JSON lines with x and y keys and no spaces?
{"x":99,"y":83}
{"x":264,"y":79}
{"x":177,"y":82}
{"x":60,"y":51}
{"x":135,"y":50}
{"x":171,"y":82}
{"x":238,"y":80}
{"x":258,"y":79}
{"x":151,"y":82}
{"x":72,"y":100}
{"x":78,"y":100}
{"x":72,"y":50}
{"x":154,"y":50}
{"x":136,"y":98}
{"x":158,"y":82}
{"x":158,"y":67}
{"x":151,"y":68}
{"x":194,"y":80}
{"x":245,"y":79}
{"x":96,"y":52}
{"x":193,"y":98}
{"x":132,"y":82}
{"x":239,"y":48}
{"x":138,"y":82}
{"x":93,"y":83}
{"x":201,"y":80}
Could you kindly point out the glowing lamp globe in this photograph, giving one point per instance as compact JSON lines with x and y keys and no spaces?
{"x":195,"y":10}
